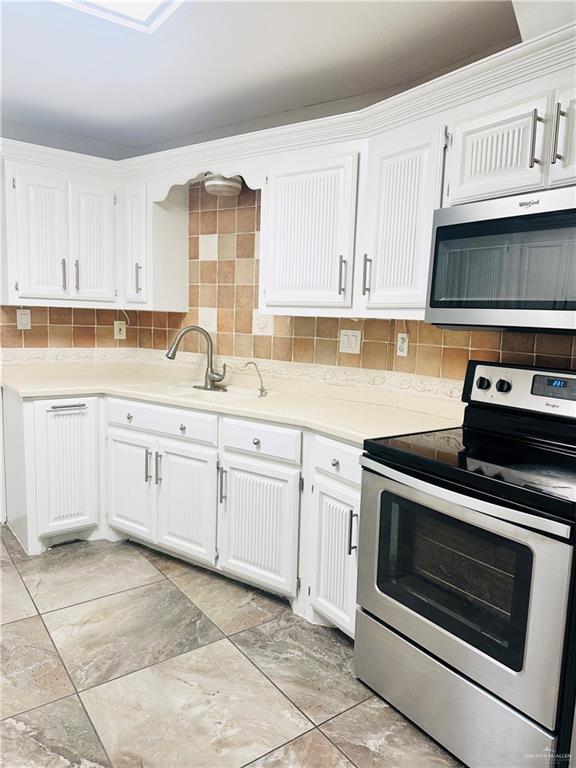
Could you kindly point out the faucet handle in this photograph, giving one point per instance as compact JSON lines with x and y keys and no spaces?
{"x":215,"y":376}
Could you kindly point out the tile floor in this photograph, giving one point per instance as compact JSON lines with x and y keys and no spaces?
{"x":114,"y":655}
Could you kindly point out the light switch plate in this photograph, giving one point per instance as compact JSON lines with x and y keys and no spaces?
{"x":402,"y":344}
{"x":120,"y":329}
{"x":350,"y":342}
{"x":23,"y":319}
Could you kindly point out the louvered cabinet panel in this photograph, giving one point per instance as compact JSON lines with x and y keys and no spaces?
{"x":187,"y":500}
{"x":403,"y":187}
{"x":336,"y":536}
{"x":66,"y":447}
{"x":500,"y":153}
{"x":258,"y":523}
{"x":36,"y":216}
{"x":132,"y":244}
{"x":308,"y":214}
{"x":92,"y":239}
{"x":563,"y":153}
{"x":130,"y":481}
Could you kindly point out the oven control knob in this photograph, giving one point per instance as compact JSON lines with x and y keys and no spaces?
{"x":503,"y":385}
{"x":483,"y":383}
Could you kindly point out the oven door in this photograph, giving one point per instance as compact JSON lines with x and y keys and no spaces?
{"x":506,"y":263}
{"x":465,"y":581}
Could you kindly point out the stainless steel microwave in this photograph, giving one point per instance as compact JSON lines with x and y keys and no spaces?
{"x":506,"y":263}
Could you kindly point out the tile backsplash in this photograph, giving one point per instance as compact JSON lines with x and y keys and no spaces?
{"x":223,"y":296}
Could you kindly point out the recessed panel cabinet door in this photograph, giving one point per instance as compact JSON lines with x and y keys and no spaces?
{"x":132,"y":245}
{"x":308,"y":216}
{"x":336,"y":562}
{"x":130,"y":481}
{"x":92,"y":239}
{"x":186,"y":476}
{"x":402,"y":189}
{"x":563,"y":153}
{"x":37,"y":238}
{"x":258,"y":523}
{"x":66,"y":437}
{"x":500,"y":153}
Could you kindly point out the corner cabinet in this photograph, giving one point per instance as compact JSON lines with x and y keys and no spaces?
{"x":66,"y":465}
{"x":308,"y":221}
{"x":402,"y":187}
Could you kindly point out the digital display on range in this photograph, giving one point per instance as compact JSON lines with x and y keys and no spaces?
{"x":557,"y":386}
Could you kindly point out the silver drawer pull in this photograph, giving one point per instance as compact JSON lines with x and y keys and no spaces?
{"x":147,"y":474}
{"x":77,"y":271}
{"x":341,"y":268}
{"x":157,"y":465}
{"x":182,"y":427}
{"x":64,"y":279}
{"x":351,"y":517}
{"x":365,"y":286}
{"x":129,"y":416}
{"x":256,"y":442}
{"x":559,"y":113}
{"x":67,"y":407}
{"x":335,"y":463}
{"x":222,"y":493}
{"x":137,"y":286}
{"x":532,"y":160}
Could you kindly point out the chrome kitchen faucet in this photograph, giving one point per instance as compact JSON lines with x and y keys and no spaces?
{"x":212,"y":378}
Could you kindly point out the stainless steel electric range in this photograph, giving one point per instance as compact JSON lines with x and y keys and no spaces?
{"x":466,"y":574}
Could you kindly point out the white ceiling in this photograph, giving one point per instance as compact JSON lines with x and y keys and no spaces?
{"x":80,"y":82}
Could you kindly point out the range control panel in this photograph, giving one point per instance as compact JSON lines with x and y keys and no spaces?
{"x":552,"y":392}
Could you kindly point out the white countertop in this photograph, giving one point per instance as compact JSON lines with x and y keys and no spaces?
{"x":344,"y":412}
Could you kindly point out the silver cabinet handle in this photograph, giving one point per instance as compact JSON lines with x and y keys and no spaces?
{"x":129,"y":417}
{"x":559,"y":114}
{"x":147,"y":473}
{"x":535,"y":119}
{"x":341,"y":266}
{"x":351,"y":516}
{"x":137,"y":286}
{"x":77,"y":272}
{"x":67,"y":407}
{"x":256,"y":442}
{"x":365,"y":286}
{"x":157,"y":465}
{"x":335,"y":463}
{"x":182,"y":427}
{"x":64,"y":278}
{"x":223,"y":474}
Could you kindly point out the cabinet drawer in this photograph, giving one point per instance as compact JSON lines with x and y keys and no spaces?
{"x":262,"y":439}
{"x":201,"y":427}
{"x":337,"y":459}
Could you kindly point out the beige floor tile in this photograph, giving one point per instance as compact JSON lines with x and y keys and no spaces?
{"x":211,"y":704}
{"x":15,"y":602}
{"x":313,"y":750}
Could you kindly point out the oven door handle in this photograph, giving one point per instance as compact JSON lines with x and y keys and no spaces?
{"x":413,"y":488}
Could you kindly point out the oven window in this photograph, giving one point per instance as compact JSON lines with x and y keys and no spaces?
{"x":473,"y":583}
{"x":522,"y":262}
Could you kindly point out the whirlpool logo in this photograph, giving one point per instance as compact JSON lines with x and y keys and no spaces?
{"x":528,"y":203}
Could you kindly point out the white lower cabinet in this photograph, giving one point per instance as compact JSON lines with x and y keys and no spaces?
{"x":66,"y":462}
{"x":336,"y":515}
{"x":131,"y":488}
{"x":187,"y":476}
{"x":258,"y":522}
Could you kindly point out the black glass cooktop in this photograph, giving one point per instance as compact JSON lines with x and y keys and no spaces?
{"x":512,"y":470}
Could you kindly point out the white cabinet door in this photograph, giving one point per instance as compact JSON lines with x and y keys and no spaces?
{"x":186,"y":476}
{"x":131,"y":487}
{"x":401,"y":190}
{"x":92,"y":239}
{"x":37,"y":238}
{"x":258,"y":523}
{"x":308,"y":216}
{"x":132,"y":243}
{"x":563,"y":153}
{"x":66,"y":443}
{"x":336,"y":562}
{"x":500,"y":153}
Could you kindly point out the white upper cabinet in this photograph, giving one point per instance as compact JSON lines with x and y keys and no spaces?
{"x":92,"y":238}
{"x":502,"y":152}
{"x":66,"y":435}
{"x":308,"y":218}
{"x":132,"y":243}
{"x":36,"y":230}
{"x":563,"y":153}
{"x":401,"y":188}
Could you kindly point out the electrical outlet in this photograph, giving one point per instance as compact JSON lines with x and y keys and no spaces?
{"x":120,"y":329}
{"x":23,"y":319}
{"x":350,"y":342}
{"x":402,"y":344}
